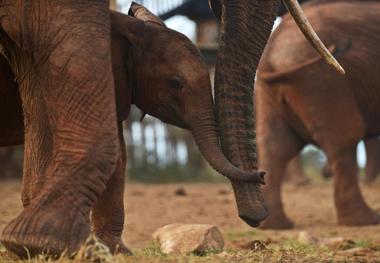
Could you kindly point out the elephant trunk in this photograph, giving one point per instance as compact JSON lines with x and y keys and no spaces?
{"x":246,"y":184}
{"x":204,"y":131}
{"x":245,"y":29}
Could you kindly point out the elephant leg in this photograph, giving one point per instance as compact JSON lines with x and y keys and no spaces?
{"x":71,"y":141}
{"x":349,"y":202}
{"x":108,"y":212}
{"x":372,"y":167}
{"x":277,"y":145}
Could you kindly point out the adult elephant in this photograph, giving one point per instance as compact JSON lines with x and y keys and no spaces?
{"x":301,"y":101}
{"x":60,"y":54}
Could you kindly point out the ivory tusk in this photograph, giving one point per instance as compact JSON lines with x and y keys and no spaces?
{"x":296,"y":11}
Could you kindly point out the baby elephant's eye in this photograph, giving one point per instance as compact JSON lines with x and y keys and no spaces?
{"x":176,"y":83}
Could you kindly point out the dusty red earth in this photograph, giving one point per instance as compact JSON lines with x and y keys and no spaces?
{"x":151,"y":206}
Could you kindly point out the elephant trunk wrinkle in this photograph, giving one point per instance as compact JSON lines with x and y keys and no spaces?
{"x":245,"y":31}
{"x":205,"y":134}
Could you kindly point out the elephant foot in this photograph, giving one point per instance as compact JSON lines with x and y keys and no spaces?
{"x":46,"y":228}
{"x":358,"y":217}
{"x":277,"y":221}
{"x":115,"y":244}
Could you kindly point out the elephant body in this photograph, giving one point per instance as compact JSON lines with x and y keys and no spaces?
{"x":55,"y":91}
{"x":148,"y":73}
{"x":60,"y":54}
{"x":301,"y":100}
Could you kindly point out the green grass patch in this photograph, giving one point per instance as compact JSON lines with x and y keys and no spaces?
{"x":288,"y":250}
{"x":366,"y":244}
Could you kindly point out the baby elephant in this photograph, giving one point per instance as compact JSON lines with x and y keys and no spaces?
{"x":300,"y":100}
{"x":160,"y":71}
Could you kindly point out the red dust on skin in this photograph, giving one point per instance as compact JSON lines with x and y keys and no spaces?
{"x":68,"y":93}
{"x":51,"y":150}
{"x":314,"y":104}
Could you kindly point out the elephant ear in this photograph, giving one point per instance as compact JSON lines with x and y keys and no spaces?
{"x":142,"y":13}
{"x":129,"y":27}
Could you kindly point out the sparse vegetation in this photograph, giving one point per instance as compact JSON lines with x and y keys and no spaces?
{"x":288,"y":250}
{"x":204,"y":204}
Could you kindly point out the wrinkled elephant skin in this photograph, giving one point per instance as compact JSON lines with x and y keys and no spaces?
{"x":72,"y":120}
{"x":71,"y":140}
{"x":300,"y":100}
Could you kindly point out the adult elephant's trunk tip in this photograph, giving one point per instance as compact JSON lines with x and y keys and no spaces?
{"x":245,"y":29}
{"x":246,"y":184}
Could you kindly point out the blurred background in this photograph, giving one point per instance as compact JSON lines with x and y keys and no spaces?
{"x":160,"y":153}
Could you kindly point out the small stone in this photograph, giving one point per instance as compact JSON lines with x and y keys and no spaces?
{"x":188,"y":238}
{"x":223,"y":192}
{"x":306,"y":238}
{"x":254,"y":245}
{"x":180,"y":192}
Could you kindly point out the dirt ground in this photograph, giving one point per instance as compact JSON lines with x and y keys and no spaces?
{"x":149,"y":207}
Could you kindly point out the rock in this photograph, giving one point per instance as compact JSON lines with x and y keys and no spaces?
{"x":306,"y":238}
{"x":180,"y":192}
{"x":188,"y":238}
